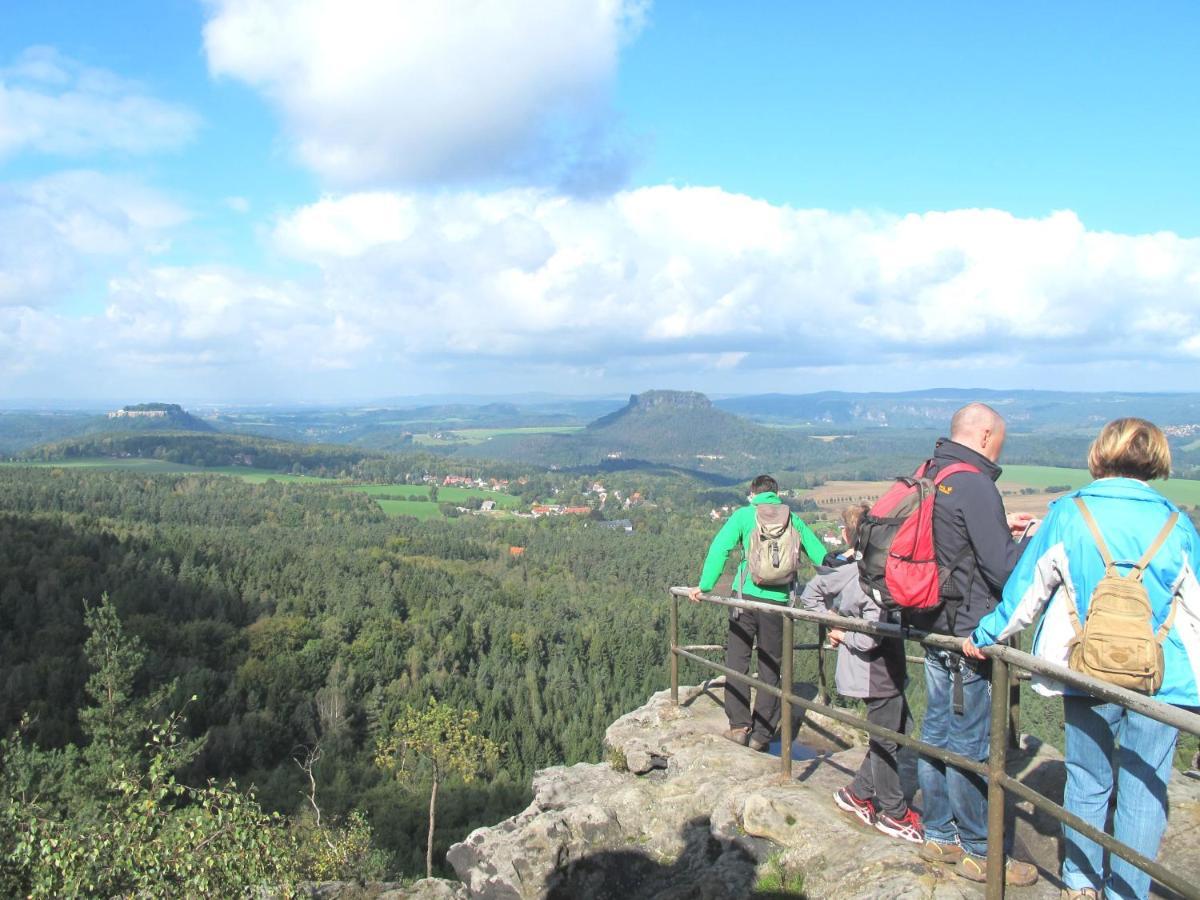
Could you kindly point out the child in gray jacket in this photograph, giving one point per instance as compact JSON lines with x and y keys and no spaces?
{"x":872,"y":669}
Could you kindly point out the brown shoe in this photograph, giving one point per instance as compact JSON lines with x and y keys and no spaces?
{"x":940,"y":852}
{"x":758,"y":745}
{"x":737,"y":735}
{"x":1087,"y":893}
{"x":1016,"y":873}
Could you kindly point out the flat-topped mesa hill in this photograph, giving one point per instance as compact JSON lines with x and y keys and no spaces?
{"x":678,"y":812}
{"x":153,"y":417}
{"x":682,"y":429}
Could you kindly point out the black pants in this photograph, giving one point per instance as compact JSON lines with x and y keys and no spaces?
{"x":879,"y":774}
{"x":744,"y":626}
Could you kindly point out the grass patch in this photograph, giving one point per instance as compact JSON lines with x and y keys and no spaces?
{"x":777,"y":880}
{"x":450,"y":494}
{"x":1180,"y":490}
{"x":162,"y":467}
{"x":471,"y":436}
{"x":416,"y":508}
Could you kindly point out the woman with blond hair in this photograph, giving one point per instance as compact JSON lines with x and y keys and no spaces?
{"x":1117,"y":525}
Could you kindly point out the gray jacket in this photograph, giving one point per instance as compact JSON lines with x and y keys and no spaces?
{"x":867,"y":666}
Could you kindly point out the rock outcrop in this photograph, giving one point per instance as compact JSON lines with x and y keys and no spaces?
{"x":678,"y":812}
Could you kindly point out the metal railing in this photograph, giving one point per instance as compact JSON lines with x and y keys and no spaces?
{"x":1004,"y":717}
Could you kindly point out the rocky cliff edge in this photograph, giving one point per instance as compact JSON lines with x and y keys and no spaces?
{"x":679,"y":812}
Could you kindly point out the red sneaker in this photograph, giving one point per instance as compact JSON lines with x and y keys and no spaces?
{"x":908,"y":827}
{"x":863,"y":810}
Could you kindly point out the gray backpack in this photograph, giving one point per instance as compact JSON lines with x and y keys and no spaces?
{"x":1117,"y":643}
{"x":774,"y":556}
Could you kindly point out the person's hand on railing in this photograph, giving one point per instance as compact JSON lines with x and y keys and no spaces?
{"x":835,"y":636}
{"x":969,"y":649}
{"x":694,"y":594}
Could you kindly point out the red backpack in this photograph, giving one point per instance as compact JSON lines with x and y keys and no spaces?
{"x":897,"y":563}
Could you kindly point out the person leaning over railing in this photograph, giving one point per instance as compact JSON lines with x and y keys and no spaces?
{"x":1062,"y":567}
{"x":872,"y":669}
{"x":974,"y":546}
{"x":746,"y":626}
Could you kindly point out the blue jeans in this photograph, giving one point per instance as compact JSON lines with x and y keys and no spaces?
{"x":1099,"y":734}
{"x":954,"y":803}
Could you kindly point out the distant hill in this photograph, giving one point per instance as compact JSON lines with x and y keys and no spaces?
{"x":681,"y":429}
{"x":1024,"y":410}
{"x":152,"y":417}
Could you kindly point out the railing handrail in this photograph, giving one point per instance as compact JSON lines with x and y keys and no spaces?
{"x":999,"y":781}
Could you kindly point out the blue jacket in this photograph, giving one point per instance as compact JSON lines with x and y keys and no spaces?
{"x":1062,"y":559}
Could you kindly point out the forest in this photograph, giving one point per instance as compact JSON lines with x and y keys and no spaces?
{"x":280,"y":624}
{"x":299,"y":615}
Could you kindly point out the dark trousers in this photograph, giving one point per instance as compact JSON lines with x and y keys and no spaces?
{"x":744,"y":626}
{"x":879,"y":776}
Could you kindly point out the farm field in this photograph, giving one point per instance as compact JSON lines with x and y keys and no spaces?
{"x":161,"y":467}
{"x":835,"y":494}
{"x":418,"y":509}
{"x":399,"y":493}
{"x":392,"y":498}
{"x":471,"y":436}
{"x":1181,"y":490}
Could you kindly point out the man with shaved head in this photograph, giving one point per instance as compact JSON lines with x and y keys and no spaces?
{"x":975,"y":554}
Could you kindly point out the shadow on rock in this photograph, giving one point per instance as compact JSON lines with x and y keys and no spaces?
{"x":708,"y":868}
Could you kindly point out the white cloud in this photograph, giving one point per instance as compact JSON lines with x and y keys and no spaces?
{"x":693,"y":286}
{"x":403,"y":90}
{"x":55,"y":229}
{"x":52,"y":104}
{"x":669,"y":271}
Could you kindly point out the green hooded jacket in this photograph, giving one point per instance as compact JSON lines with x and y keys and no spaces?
{"x":737,"y":530}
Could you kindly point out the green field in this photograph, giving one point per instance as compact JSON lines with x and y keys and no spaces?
{"x":161,"y":467}
{"x":470,"y":436}
{"x":415,"y":508}
{"x":392,"y":498}
{"x":398,"y":493}
{"x":1181,"y":490}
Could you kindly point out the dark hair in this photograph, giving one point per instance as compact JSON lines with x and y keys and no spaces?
{"x":764,"y":483}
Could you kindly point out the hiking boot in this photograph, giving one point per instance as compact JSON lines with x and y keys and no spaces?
{"x":737,"y":735}
{"x":907,"y":827}
{"x":1084,"y":893}
{"x":760,"y":745}
{"x":1016,"y":873}
{"x":863,"y":810}
{"x":941,"y":852}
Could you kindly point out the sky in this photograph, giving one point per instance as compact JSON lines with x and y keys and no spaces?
{"x":342,"y":201}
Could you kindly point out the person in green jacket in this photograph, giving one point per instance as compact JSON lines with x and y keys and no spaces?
{"x":745,"y":625}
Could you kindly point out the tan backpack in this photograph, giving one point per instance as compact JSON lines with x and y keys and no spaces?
{"x":774,"y":556}
{"x":1117,"y":643}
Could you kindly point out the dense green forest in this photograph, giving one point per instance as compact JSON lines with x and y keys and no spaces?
{"x":288,"y":618}
{"x":299,"y":614}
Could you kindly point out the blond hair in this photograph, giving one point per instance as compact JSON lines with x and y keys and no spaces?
{"x":1130,"y":448}
{"x":852,"y":515}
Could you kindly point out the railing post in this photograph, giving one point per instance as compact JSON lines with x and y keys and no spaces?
{"x":674,"y":649}
{"x":785,"y":681}
{"x":1014,"y":701}
{"x":822,"y":690}
{"x":995,"y":794}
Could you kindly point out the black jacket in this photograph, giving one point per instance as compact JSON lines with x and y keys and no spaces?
{"x":972,"y":541}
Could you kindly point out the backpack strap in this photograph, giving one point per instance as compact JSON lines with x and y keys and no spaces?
{"x":1096,"y":535}
{"x":1141,"y":564}
{"x":1165,"y":629}
{"x":946,"y":471}
{"x":1139,"y":567}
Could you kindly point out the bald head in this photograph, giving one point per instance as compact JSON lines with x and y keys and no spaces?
{"x":979,"y":427}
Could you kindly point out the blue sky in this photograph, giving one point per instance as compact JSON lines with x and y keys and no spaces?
{"x":253,"y":200}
